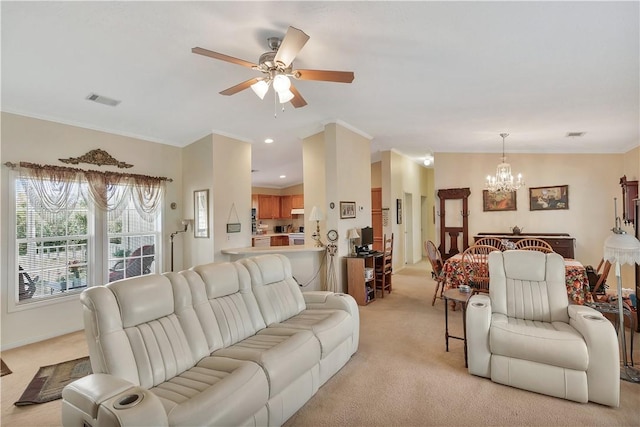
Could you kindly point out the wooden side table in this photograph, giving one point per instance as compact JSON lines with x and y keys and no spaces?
{"x":463,"y":298}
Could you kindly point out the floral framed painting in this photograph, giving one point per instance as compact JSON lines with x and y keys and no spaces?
{"x":500,"y":201}
{"x":549,"y":198}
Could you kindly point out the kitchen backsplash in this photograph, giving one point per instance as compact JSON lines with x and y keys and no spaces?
{"x":295,"y":223}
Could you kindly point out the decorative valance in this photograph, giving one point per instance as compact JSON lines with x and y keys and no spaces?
{"x":54,"y":188}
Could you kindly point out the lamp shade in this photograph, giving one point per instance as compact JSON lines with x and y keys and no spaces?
{"x":285,"y":96}
{"x":260,"y":88}
{"x":622,"y":248}
{"x":353,"y":234}
{"x":316,"y":214}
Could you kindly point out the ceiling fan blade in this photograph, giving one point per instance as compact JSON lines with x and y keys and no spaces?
{"x":239,"y":87}
{"x":293,"y":41}
{"x":297,"y":101}
{"x":325,"y":75}
{"x":222,"y":57}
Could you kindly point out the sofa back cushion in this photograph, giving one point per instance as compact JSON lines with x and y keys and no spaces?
{"x":277,"y":293}
{"x":528,"y":285}
{"x":224,"y":303}
{"x":133,"y":331}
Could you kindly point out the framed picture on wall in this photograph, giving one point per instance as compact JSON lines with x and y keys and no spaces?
{"x":347,"y":210}
{"x":500,"y":201}
{"x":549,"y":198}
{"x":399,"y":210}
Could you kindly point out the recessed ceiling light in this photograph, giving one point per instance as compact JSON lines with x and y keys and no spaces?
{"x":283,"y":176}
{"x":268,"y":140}
{"x":575,"y":133}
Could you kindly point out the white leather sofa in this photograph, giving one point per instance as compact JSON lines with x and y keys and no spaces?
{"x":225,"y":344}
{"x":526,"y":335}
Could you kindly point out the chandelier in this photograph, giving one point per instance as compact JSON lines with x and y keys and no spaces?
{"x":503,"y":181}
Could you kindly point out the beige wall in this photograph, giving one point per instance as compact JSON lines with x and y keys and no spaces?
{"x":40,"y":141}
{"x":593,"y":181}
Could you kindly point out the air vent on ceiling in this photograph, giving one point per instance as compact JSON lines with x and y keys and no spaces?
{"x":575,"y":133}
{"x":103,"y":100}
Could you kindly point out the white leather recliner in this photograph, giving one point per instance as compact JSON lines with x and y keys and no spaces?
{"x":526,"y":335}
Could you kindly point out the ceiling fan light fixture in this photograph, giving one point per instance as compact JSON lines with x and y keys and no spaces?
{"x":285,"y":96}
{"x":260,"y":88}
{"x":281,"y":83}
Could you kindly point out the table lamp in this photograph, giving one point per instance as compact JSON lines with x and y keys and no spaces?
{"x":622,"y":248}
{"x":316,"y":215}
{"x":352,"y":235}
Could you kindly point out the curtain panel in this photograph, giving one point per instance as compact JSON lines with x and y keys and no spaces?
{"x":55,"y":188}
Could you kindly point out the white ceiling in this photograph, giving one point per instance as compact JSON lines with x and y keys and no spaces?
{"x":429,"y":76}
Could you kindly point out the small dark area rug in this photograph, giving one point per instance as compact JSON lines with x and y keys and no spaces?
{"x":48,"y":383}
{"x":4,"y":369}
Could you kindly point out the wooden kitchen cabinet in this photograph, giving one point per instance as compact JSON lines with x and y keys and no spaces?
{"x":297,"y":201}
{"x":285,"y":206}
{"x":279,"y":240}
{"x":629,"y":194}
{"x":268,"y":206}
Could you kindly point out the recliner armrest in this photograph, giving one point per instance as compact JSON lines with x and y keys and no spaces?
{"x":325,"y":300}
{"x":603,"y":373}
{"x":478,"y":325}
{"x":104,"y":400}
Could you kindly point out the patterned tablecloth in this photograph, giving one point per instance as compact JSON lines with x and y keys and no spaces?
{"x":576,"y":275}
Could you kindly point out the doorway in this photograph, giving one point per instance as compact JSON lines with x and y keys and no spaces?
{"x":424,"y":224}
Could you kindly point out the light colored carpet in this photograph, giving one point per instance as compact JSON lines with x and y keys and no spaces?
{"x":402,"y":376}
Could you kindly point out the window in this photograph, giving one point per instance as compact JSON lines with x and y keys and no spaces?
{"x":70,"y":230}
{"x":52,"y":247}
{"x":132,"y":242}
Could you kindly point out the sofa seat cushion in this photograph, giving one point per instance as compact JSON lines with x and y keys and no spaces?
{"x":556,"y":343}
{"x":331,"y":327}
{"x":217,"y":391}
{"x":284,"y":354}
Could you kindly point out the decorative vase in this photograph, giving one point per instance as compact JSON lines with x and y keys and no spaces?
{"x":516,"y":230}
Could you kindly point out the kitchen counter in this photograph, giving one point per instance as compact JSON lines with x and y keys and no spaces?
{"x":306,"y":261}
{"x":272,"y":250}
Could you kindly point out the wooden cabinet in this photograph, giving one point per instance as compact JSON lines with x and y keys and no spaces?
{"x":629,"y":194}
{"x":561,"y":243}
{"x":285,"y":206}
{"x":297,"y":201}
{"x":268,"y":206}
{"x":361,"y":278}
{"x":279,"y":240}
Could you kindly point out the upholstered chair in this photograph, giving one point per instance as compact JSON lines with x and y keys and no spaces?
{"x":525,"y":334}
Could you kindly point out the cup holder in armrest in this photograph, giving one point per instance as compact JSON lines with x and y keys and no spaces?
{"x":128,"y":401}
{"x":478,"y":304}
{"x":593,"y":317}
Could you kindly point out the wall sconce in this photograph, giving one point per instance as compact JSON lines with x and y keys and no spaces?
{"x":316,"y":215}
{"x":352,"y":235}
{"x":185,"y":223}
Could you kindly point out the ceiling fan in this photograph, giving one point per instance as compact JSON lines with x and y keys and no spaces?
{"x":277,"y":68}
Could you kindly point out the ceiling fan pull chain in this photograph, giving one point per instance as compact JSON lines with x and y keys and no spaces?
{"x":275,"y":104}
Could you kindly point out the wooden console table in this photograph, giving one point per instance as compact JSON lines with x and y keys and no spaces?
{"x":561,"y":243}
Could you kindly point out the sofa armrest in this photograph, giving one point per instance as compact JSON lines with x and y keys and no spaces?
{"x":104,"y":400}
{"x":319,"y":300}
{"x":478,"y":325}
{"x":603,"y":373}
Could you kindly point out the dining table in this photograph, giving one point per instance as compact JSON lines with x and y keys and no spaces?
{"x":576,"y":278}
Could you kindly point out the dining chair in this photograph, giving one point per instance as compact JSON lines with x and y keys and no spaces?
{"x":383,"y":266}
{"x":496,"y":242}
{"x":532,"y":244}
{"x":475,"y":267}
{"x":435,"y":258}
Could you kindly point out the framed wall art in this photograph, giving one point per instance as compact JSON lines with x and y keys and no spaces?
{"x":399,"y":211}
{"x":500,"y":201}
{"x":347,"y":210}
{"x":549,"y":198}
{"x":201,"y":213}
